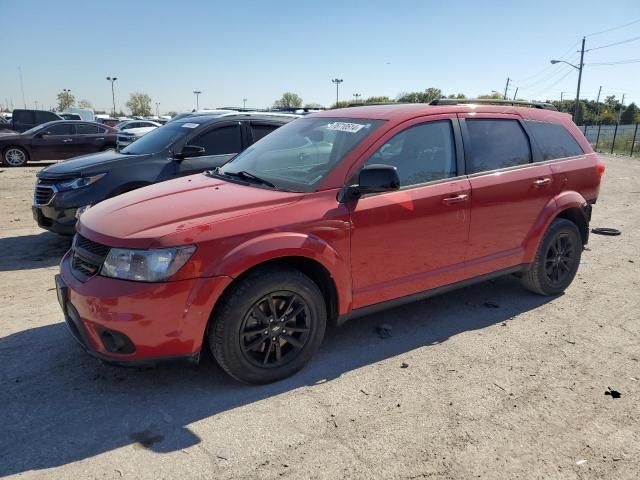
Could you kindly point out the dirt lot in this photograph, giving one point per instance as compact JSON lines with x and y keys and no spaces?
{"x":512,"y":388}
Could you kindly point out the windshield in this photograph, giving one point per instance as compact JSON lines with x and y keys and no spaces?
{"x":300,"y":154}
{"x":160,"y":138}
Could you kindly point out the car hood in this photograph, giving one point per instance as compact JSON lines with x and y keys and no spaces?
{"x":87,"y":163}
{"x":138,"y":132}
{"x":8,"y":133}
{"x":176,"y":212}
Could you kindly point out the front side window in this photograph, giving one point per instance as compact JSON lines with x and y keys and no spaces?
{"x":495,"y":144}
{"x":554,"y":140}
{"x":62,"y":129}
{"x":85,"y":129}
{"x":160,"y":138}
{"x":298,"y":155}
{"x":220,"y":141}
{"x":259,"y":130}
{"x":421,"y":153}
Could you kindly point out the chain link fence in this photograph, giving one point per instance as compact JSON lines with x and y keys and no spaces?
{"x":620,"y":139}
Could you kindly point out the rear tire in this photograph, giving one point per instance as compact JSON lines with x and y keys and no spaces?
{"x":269,"y":325}
{"x":13,"y":156}
{"x":557,"y":259}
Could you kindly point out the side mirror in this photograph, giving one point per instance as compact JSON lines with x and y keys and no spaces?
{"x":374,"y":179}
{"x":189,"y":151}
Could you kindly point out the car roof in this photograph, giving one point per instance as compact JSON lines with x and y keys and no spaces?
{"x":201,"y":119}
{"x":401,"y":111}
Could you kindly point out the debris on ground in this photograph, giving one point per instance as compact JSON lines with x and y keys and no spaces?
{"x":490,"y":304}
{"x":611,"y":232}
{"x":384,"y":330}
{"x":580,"y":462}
{"x":613,"y":393}
{"x":404,"y":365}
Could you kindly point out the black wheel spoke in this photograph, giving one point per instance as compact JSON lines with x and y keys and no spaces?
{"x":289,"y":304}
{"x":293,"y":341}
{"x":255,"y":331}
{"x":272,"y":307}
{"x":255,"y":343}
{"x":267,"y":353}
{"x":278,"y":352}
{"x":297,"y":330}
{"x":295,"y":313}
{"x":259,"y":315}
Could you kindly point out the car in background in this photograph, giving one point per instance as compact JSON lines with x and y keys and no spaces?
{"x":201,"y":112}
{"x":130,"y":131}
{"x":58,"y":140}
{"x":23,"y":120}
{"x":85,"y":114}
{"x":184,"y":147}
{"x":5,"y":127}
{"x":107,"y":120}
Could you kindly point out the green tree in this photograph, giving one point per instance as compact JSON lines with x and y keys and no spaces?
{"x":85,"y":104}
{"x":313,"y":105}
{"x":139,"y":104}
{"x":342,"y":104}
{"x":427,"y":96}
{"x":457,"y":96}
{"x":65,"y":100}
{"x":630,"y":114}
{"x":492,"y":96}
{"x":379,"y":99}
{"x":288,"y":100}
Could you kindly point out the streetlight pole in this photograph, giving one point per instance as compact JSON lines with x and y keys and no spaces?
{"x":506,"y":88}
{"x":337,"y":81}
{"x":357,"y":96}
{"x":36,"y":104}
{"x":579,"y":68}
{"x":197,"y":94}
{"x":113,"y":95}
{"x":157,"y":109}
{"x":67,"y":93}
{"x":244,"y":103}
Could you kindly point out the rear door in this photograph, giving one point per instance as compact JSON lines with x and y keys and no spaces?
{"x":508,"y":189}
{"x":89,"y":138}
{"x":413,"y":239}
{"x":55,"y":142}
{"x":220,"y":142}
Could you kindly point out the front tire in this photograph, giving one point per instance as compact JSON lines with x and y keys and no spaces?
{"x":15,"y":157}
{"x":269,"y":325}
{"x":557,"y":260}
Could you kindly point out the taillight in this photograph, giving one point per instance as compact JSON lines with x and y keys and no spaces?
{"x":600,"y":168}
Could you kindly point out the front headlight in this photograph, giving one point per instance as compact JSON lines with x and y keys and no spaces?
{"x":154,"y":265}
{"x":79,"y":182}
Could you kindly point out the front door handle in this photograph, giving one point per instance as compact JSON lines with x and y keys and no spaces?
{"x":99,"y":139}
{"x":67,"y":140}
{"x":541,"y":182}
{"x":456,"y":199}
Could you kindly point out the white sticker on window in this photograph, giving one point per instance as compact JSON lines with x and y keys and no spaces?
{"x":345,"y":127}
{"x":190,"y":125}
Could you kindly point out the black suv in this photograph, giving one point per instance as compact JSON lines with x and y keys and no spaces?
{"x":182,"y":147}
{"x":23,"y":120}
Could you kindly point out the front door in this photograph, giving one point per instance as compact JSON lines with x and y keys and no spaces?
{"x":55,"y":143}
{"x":413,"y":239}
{"x":509,"y":190}
{"x":221,"y":143}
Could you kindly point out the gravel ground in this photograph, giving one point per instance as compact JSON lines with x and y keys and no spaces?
{"x":499,"y":383}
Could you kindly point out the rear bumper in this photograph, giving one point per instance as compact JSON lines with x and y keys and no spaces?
{"x":149,"y":322}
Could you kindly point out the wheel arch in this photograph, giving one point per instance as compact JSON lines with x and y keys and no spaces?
{"x":24,"y":148}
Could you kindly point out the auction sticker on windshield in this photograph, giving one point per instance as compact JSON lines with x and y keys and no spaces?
{"x":190,"y":125}
{"x":345,"y":127}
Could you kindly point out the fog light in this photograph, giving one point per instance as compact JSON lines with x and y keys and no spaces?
{"x":81,"y":210}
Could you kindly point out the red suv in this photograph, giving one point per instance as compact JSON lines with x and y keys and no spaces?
{"x":331,"y":216}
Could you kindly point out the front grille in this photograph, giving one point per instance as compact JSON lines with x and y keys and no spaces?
{"x":88,"y":257}
{"x":43,"y":195}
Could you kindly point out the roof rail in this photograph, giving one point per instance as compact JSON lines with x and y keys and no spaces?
{"x":492,"y":101}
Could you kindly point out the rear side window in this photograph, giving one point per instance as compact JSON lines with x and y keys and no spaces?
{"x":220,"y":141}
{"x":554,"y":140}
{"x":84,"y":129}
{"x":496,"y":143}
{"x":61,"y":129}
{"x":261,"y":130}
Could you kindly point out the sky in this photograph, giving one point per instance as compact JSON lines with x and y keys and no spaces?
{"x":257,"y":50}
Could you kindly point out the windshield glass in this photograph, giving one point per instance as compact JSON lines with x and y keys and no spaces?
{"x":160,"y":138}
{"x":300,"y":154}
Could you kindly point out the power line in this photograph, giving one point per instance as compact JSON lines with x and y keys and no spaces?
{"x":549,"y":87}
{"x":621,"y":62}
{"x":550,"y":75}
{"x":548,"y":67}
{"x":614,"y":44}
{"x":613,"y":28}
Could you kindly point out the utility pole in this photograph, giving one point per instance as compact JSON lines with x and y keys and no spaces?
{"x":621,"y":108}
{"x":506,"y":87}
{"x":197,"y":94}
{"x":157,"y":109}
{"x":67,"y":94}
{"x":598,"y":105}
{"x":357,"y":96}
{"x":22,"y":88}
{"x":337,"y":81}
{"x":113,"y":95}
{"x":244,"y":103}
{"x":515,"y":94}
{"x":575,"y":113}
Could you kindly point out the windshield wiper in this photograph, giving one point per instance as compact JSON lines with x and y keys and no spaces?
{"x":249,"y":177}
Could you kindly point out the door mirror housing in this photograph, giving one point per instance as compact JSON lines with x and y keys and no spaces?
{"x":190,"y":151}
{"x":374,"y":179}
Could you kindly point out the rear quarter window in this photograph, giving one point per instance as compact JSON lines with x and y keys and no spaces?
{"x":495,"y":144}
{"x":554,"y":140}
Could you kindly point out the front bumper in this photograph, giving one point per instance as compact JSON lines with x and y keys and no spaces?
{"x":162,"y":321}
{"x":62,"y":221}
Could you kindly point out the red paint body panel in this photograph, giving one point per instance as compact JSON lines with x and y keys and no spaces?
{"x":380,"y":247}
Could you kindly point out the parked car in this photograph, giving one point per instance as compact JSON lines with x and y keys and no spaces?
{"x":127,"y":137}
{"x":130,"y":124}
{"x":5,"y":127}
{"x":108,"y":121}
{"x":70,"y":116}
{"x":255,"y":258}
{"x":57,"y":140}
{"x":179,"y":148}
{"x":23,"y":120}
{"x":85,"y":114}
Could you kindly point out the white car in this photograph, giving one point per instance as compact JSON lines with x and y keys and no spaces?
{"x":131,"y":130}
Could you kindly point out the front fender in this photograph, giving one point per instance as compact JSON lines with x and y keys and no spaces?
{"x":288,"y":244}
{"x":559,"y":203}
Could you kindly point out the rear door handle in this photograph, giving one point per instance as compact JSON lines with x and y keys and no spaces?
{"x":457,"y":199}
{"x":541,"y":182}
{"x":67,"y":140}
{"x":99,"y":139}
